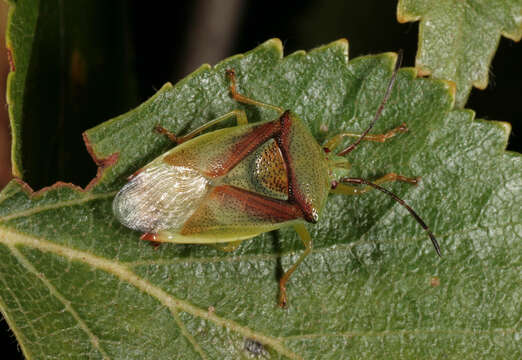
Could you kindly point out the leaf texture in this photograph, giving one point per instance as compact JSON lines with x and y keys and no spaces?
{"x":458,"y":39}
{"x":77,"y":284}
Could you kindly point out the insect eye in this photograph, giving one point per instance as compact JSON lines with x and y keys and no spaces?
{"x":334,"y":184}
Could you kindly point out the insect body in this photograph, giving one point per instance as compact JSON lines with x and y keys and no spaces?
{"x":235,"y":183}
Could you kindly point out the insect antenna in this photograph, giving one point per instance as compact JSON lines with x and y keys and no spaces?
{"x":379,"y":110}
{"x":360,"y":181}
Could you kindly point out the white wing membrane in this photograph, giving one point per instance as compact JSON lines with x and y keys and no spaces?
{"x":160,"y":197}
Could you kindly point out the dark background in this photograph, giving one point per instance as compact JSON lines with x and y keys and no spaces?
{"x":168,"y":40}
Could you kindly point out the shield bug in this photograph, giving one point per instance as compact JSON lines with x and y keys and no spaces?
{"x":232,"y":184}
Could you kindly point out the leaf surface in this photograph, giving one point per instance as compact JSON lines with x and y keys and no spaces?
{"x":76,"y":284}
{"x":458,"y":39}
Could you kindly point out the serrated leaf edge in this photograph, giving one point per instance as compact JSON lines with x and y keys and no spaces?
{"x":13,"y":239}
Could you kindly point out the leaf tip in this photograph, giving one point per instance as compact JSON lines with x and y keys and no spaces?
{"x":481,"y":83}
{"x":512,"y":36}
{"x":403,"y":16}
{"x":422,"y":70}
{"x":504,"y":126}
{"x":274,"y":43}
{"x":392,"y":58}
{"x":343,"y":44}
{"x":202,"y":68}
{"x":503,"y":129}
{"x":340,"y":44}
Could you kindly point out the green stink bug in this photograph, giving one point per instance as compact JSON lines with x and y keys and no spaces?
{"x":232,"y":184}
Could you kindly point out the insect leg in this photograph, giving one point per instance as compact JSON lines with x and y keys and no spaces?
{"x":161,"y":130}
{"x":231,"y":74}
{"x":307,"y":241}
{"x":239,"y":114}
{"x":357,"y":190}
{"x":332,"y":143}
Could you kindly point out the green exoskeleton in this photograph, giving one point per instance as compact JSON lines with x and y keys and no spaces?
{"x":232,"y":184}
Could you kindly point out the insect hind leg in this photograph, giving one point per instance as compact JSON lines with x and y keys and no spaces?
{"x":307,"y":241}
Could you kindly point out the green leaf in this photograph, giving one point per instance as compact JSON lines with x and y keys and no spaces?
{"x":458,"y":39}
{"x":65,"y":57}
{"x":75,"y":283}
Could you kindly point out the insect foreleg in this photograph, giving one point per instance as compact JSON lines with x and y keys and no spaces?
{"x":334,"y":142}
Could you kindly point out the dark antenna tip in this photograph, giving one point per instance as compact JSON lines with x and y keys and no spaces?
{"x":359,"y":181}
{"x":435,"y":244}
{"x":381,"y":107}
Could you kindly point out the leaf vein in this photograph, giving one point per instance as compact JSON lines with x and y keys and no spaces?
{"x":54,"y":292}
{"x":188,"y":335}
{"x":12,"y":238}
{"x":56,"y":205}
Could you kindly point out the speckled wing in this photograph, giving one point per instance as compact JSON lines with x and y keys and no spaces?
{"x":160,"y":196}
